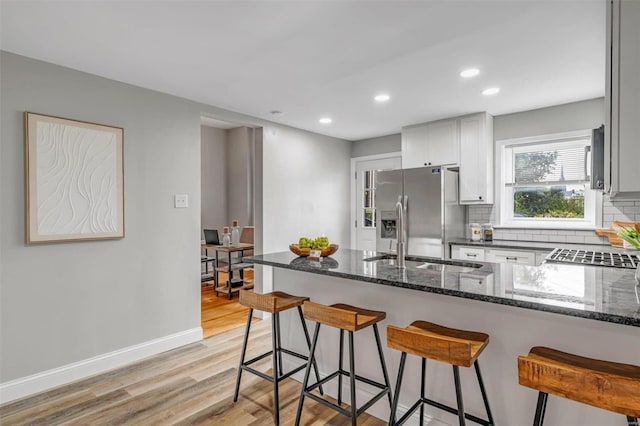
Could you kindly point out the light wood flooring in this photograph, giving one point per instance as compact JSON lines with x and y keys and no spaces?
{"x":218,"y":313}
{"x":190,"y":385}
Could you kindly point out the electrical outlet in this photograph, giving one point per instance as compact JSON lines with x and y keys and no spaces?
{"x":181,"y":201}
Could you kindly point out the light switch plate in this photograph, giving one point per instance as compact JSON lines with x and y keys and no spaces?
{"x":181,"y":201}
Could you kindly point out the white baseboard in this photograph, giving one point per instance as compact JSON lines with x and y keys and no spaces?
{"x":39,"y":382}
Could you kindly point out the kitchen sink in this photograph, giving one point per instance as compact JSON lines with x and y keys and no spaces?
{"x":426,"y":263}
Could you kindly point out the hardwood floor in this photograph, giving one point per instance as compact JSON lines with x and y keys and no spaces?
{"x":190,"y":385}
{"x":219,"y":314}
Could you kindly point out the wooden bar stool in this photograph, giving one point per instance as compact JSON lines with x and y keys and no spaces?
{"x":603,"y":384}
{"x":351,"y":319}
{"x":432,"y":341}
{"x":273,"y":303}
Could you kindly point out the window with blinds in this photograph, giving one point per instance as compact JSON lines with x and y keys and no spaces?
{"x":545,"y":181}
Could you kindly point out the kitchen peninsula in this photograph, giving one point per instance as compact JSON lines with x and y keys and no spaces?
{"x":592,"y":311}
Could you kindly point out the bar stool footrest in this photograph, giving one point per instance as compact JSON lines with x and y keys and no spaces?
{"x":441,"y":406}
{"x":409,"y":413}
{"x":296,"y":354}
{"x":245,"y":365}
{"x":362,"y":409}
{"x":329,"y":404}
{"x":455,"y":411}
{"x":256,"y":359}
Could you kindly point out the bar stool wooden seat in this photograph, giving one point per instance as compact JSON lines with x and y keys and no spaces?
{"x":603,"y":384}
{"x":274,"y":303}
{"x":452,"y":346}
{"x":351,"y":319}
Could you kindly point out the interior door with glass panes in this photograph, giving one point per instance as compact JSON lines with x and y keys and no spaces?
{"x":365,"y":214}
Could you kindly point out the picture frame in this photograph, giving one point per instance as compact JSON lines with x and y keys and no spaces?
{"x":74,"y":180}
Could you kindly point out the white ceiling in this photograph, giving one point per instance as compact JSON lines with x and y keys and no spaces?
{"x":310,"y":59}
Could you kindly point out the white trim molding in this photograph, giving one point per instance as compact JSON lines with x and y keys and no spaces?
{"x":354,"y":162}
{"x":593,"y":199}
{"x":39,"y":382}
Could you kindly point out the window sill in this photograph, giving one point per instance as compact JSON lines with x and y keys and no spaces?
{"x":549,"y":227}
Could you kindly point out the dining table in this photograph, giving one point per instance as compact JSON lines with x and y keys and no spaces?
{"x":220,"y":251}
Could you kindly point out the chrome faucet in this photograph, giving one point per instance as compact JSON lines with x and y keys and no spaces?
{"x":400,"y":233}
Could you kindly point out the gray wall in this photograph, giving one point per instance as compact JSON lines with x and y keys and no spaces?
{"x":213,"y":166}
{"x":374,"y":146}
{"x":63,"y":303}
{"x":582,"y":115}
{"x":308,"y":192}
{"x":239,"y":165}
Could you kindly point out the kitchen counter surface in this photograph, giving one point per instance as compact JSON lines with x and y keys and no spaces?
{"x":536,"y":245}
{"x":602,"y":294}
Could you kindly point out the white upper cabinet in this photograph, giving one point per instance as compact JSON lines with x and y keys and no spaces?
{"x":442,"y":139}
{"x":465,"y":141}
{"x":414,"y":146}
{"x":476,"y":159}
{"x":622,"y":125}
{"x":430,"y":144}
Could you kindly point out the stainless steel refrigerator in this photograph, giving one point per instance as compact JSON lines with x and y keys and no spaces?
{"x":433,"y":216}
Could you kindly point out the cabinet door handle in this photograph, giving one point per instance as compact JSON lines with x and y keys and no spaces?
{"x":480,"y":197}
{"x":471,"y":255}
{"x":511,"y":258}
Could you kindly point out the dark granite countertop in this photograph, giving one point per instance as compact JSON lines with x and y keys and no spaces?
{"x":603,"y":294}
{"x":535,"y":245}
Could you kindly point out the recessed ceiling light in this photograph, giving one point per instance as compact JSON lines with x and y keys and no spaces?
{"x":471,"y":72}
{"x":491,"y":91}
{"x":382,"y":97}
{"x":325,"y":120}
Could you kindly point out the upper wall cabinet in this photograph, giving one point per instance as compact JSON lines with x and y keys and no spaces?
{"x":622,"y":127}
{"x":465,"y":141}
{"x":476,"y":159}
{"x":430,"y":144}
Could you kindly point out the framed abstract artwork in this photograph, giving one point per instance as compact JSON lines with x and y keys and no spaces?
{"x":74,"y":180}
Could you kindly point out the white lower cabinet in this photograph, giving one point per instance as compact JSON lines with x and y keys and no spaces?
{"x":541,"y":255}
{"x":511,"y":256}
{"x":481,"y":254}
{"x":467,"y":253}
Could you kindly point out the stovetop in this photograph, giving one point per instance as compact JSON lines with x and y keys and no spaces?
{"x":594,"y":258}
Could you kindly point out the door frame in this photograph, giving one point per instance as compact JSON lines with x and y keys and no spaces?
{"x":354,"y":190}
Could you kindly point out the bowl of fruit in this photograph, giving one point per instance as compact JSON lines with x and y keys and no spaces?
{"x":305,"y":245}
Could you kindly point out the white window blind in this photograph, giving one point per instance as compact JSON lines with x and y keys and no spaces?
{"x":548,"y":164}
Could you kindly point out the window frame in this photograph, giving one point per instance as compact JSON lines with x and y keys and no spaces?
{"x":504,"y":204}
{"x":372,"y":197}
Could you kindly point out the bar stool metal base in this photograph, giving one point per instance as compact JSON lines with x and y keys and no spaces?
{"x":423,"y":400}
{"x":276,"y":352}
{"x":353,"y":411}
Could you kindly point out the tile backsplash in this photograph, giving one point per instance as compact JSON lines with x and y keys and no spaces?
{"x":612,"y":210}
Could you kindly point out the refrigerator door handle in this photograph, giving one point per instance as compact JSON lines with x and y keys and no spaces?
{"x":407,"y":227}
{"x":405,"y":204}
